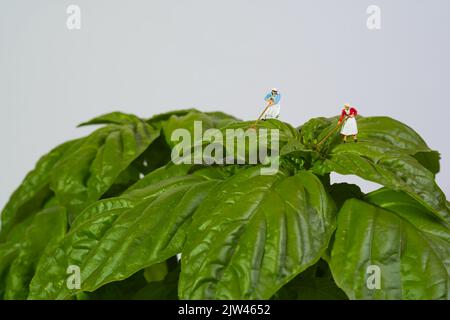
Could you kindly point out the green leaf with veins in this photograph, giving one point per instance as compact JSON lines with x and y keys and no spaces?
{"x":31,"y":196}
{"x":394,"y":232}
{"x":48,"y":227}
{"x":187,"y":122}
{"x":373,"y":130}
{"x":115,"y":238}
{"x":83,"y":176}
{"x":253,"y":234}
{"x":388,"y":166}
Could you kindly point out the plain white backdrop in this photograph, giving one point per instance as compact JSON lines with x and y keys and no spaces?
{"x":147,"y":57}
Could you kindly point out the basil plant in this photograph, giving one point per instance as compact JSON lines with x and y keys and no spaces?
{"x":112,"y":216}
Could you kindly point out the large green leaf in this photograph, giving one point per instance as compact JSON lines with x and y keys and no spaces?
{"x":8,"y":252}
{"x":400,"y":135}
{"x":396,"y":234}
{"x":81,"y":171}
{"x":253,"y":234}
{"x":187,"y":122}
{"x":264,"y":133}
{"x":372,"y":130}
{"x":114,"y":238}
{"x":10,"y":249}
{"x":239,"y":143}
{"x":48,"y":227}
{"x":84,"y":175}
{"x":389,"y":166}
{"x":93,"y":222}
{"x":34,"y":192}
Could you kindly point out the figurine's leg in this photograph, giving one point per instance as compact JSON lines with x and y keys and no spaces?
{"x":344,"y":138}
{"x":355,"y":138}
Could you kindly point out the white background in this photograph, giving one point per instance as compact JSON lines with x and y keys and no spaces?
{"x":147,"y":57}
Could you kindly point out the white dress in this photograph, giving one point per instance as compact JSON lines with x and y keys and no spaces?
{"x":272,"y":112}
{"x":349,"y":128}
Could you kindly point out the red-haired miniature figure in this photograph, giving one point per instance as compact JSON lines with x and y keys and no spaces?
{"x":349,"y":127}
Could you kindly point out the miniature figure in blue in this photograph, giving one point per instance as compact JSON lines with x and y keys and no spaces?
{"x":273,"y":109}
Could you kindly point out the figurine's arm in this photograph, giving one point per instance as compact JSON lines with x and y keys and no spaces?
{"x":269,"y":99}
{"x":343,"y":114}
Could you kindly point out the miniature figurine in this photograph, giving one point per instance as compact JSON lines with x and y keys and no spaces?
{"x":348,"y":121}
{"x":272,"y":110}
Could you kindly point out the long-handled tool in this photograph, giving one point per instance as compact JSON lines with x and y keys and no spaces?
{"x":331,"y":132}
{"x":261,"y":115}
